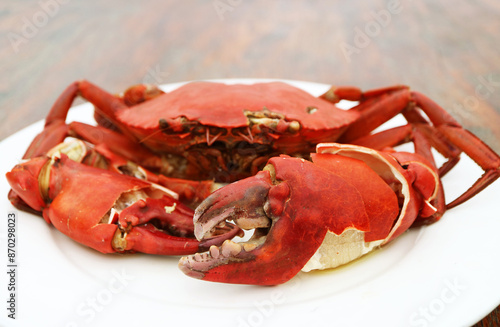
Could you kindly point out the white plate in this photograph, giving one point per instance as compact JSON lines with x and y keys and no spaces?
{"x":446,"y":274}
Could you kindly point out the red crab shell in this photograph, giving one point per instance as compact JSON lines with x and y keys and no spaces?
{"x":276,"y":113}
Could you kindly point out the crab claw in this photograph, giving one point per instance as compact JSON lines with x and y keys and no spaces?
{"x":285,"y":208}
{"x":308,"y":215}
{"x":291,"y":207}
{"x":24,"y":180}
{"x":108,"y":211}
{"x":247,"y":203}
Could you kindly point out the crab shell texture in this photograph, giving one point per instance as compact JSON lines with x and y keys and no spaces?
{"x":244,"y":122}
{"x":312,"y":215}
{"x":274,"y":112}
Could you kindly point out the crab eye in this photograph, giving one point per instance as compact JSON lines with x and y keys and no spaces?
{"x":311,"y":109}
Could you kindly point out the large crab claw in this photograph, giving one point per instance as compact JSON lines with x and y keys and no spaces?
{"x":108,"y":211}
{"x":312,"y":215}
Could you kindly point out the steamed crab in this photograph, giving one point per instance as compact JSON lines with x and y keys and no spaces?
{"x":203,"y":133}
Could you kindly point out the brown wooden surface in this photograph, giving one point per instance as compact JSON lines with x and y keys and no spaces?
{"x":445,"y":49}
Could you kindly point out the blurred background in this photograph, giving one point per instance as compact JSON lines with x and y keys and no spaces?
{"x":448,"y":50}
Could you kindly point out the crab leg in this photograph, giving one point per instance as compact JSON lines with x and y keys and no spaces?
{"x":478,"y":151}
{"x":97,"y":96}
{"x":140,"y":93}
{"x":375,"y":111}
{"x":445,"y":134}
{"x":481,"y":154}
{"x":55,"y":129}
{"x":388,"y":138}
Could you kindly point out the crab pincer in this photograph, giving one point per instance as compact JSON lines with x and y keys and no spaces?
{"x":313,"y":215}
{"x":108,"y":211}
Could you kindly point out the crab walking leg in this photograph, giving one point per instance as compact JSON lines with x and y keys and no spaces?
{"x":100,"y":98}
{"x":424,"y":137}
{"x":378,"y":106}
{"x":432,"y":132}
{"x":396,"y":136}
{"x":115,"y":143}
{"x":477,"y":150}
{"x":55,"y":131}
{"x":353,"y":93}
{"x":436,"y":138}
{"x":386,"y":139}
{"x":140,"y":93}
{"x":375,"y":106}
{"x":374,"y":112}
{"x":480,"y":153}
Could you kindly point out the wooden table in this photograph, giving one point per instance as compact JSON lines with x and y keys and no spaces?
{"x":447,"y":50}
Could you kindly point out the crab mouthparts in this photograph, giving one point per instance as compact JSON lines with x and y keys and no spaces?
{"x":247,"y":212}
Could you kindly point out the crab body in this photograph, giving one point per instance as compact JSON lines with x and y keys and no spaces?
{"x":274,"y":114}
{"x":207,"y":127}
{"x":349,"y":197}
